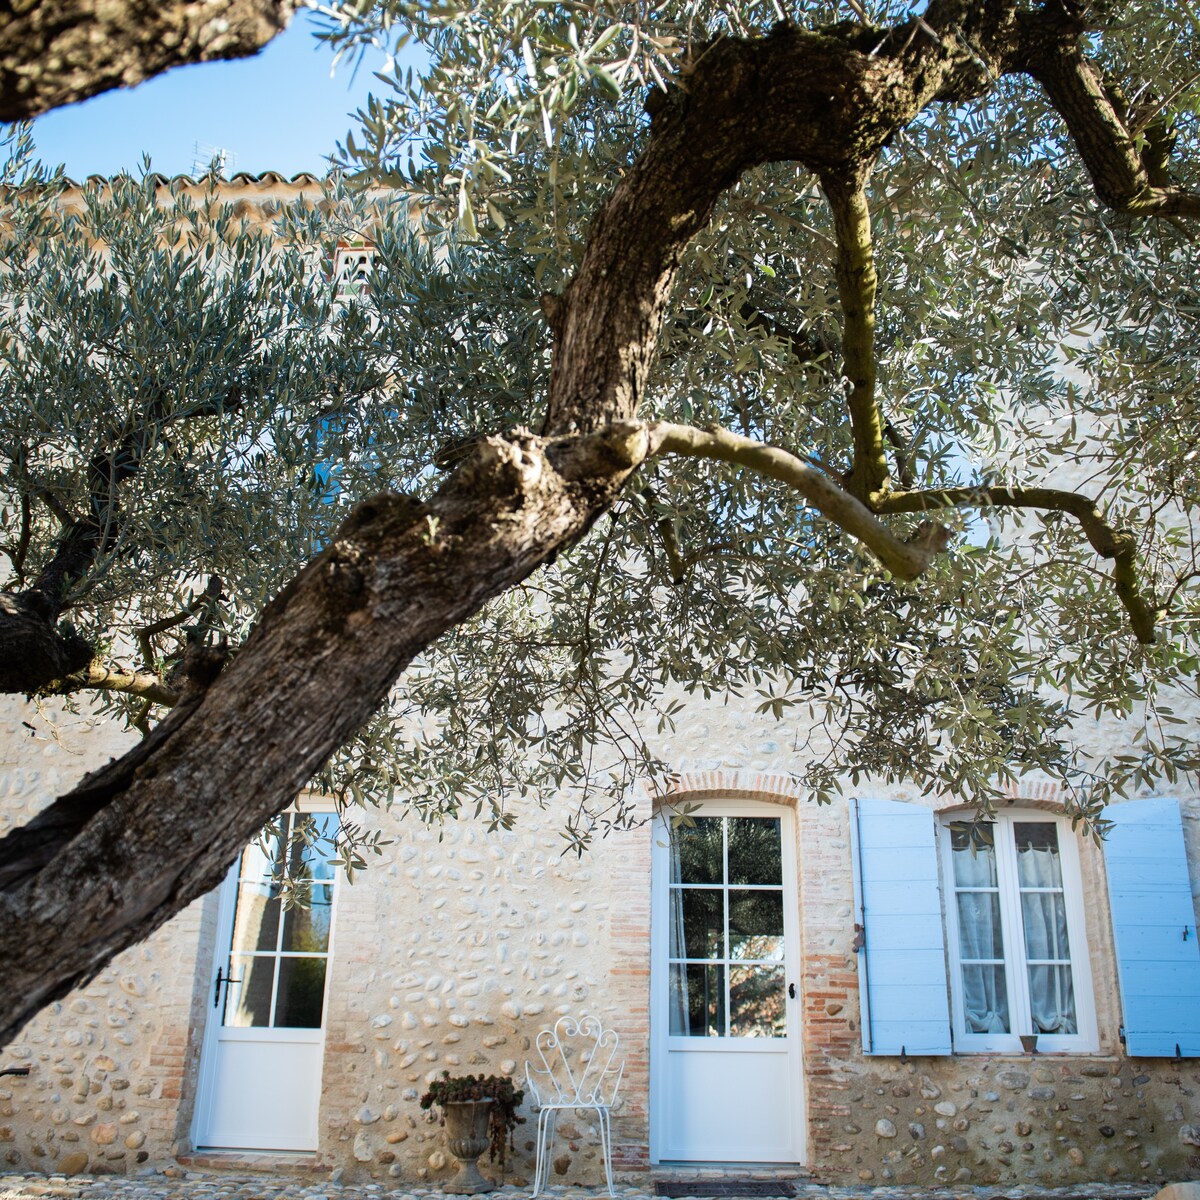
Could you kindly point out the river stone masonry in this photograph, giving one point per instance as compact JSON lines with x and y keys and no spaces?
{"x":457,"y":945}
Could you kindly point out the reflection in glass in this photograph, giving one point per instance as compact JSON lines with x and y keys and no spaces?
{"x":974,"y":852}
{"x":697,"y":1000}
{"x":309,"y":855}
{"x":307,"y":929}
{"x":755,"y":926}
{"x":256,"y":922}
{"x":248,"y":1003}
{"x":1038,"y":864}
{"x":301,"y":993}
{"x":257,"y":862}
{"x":755,"y":850}
{"x":698,"y":852}
{"x":757,"y":1002}
{"x":697,"y":923}
{"x":985,"y":998}
{"x":1052,"y":999}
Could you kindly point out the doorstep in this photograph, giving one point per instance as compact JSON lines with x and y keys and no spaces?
{"x":259,"y":1162}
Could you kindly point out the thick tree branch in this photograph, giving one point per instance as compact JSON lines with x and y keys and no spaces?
{"x":905,"y":559}
{"x":1049,"y":50}
{"x":857,"y":284}
{"x":116,"y":679}
{"x":324,"y":654}
{"x":1114,"y":544}
{"x":59,"y":51}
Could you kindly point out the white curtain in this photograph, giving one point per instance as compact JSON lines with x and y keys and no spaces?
{"x":985,"y":995}
{"x":678,"y":981}
{"x":1051,"y":996}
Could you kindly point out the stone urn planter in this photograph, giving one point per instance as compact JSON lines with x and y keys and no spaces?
{"x":467,"y":1138}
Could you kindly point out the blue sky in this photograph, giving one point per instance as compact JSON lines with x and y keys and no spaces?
{"x":278,"y":111}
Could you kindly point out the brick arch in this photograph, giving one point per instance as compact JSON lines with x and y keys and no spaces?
{"x":733,"y":785}
{"x":1044,"y":797}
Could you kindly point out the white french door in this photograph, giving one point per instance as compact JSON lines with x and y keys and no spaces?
{"x":260,"y":1073}
{"x":726,"y":1083}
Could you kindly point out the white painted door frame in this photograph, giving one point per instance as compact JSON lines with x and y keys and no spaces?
{"x":741,"y":1069}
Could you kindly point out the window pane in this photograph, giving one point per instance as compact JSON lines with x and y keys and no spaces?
{"x":697,"y":923}
{"x":974,"y":853}
{"x":755,"y":925}
{"x":697,"y":852}
{"x":307,"y":929}
{"x":248,"y":1002}
{"x":1052,"y":1000}
{"x":1037,"y":854}
{"x":755,"y":850}
{"x":1045,"y":917}
{"x":301,"y":993}
{"x":697,"y":1000}
{"x":757,"y":1004}
{"x":979,"y":932}
{"x":256,"y":922}
{"x":985,"y":999}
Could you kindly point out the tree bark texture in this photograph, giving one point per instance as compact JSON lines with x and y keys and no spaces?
{"x":55,"y":52}
{"x":113,"y":860}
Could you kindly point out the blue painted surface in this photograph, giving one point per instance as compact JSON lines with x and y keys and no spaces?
{"x":1150,"y":895}
{"x":903,"y":977}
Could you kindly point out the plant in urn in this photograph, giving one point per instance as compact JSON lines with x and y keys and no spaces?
{"x":479,"y":1113}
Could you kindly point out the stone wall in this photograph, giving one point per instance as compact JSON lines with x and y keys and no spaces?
{"x":458,"y":944}
{"x":451,"y":954}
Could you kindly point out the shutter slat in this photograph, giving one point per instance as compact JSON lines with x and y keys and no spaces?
{"x":902,"y":966}
{"x":1150,"y":897}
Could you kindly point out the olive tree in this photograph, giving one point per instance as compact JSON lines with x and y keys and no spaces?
{"x":846,"y":360}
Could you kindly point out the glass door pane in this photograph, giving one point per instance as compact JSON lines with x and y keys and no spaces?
{"x":275,"y":976}
{"x":726,"y":943}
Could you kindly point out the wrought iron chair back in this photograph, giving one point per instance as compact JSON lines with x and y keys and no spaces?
{"x":577,"y":1068}
{"x":576,"y":1071}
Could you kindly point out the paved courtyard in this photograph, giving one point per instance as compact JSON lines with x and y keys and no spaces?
{"x":191,"y":1185}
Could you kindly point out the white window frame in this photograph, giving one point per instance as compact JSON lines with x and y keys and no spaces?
{"x":353,"y":263}
{"x":1086,"y":1041}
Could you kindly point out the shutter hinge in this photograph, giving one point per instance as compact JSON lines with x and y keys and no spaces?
{"x":860,"y":937}
{"x":1121,"y":1034}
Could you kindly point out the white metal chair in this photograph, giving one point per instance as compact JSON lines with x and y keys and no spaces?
{"x":576,"y":1071}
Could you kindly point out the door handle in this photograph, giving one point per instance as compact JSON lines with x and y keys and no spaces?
{"x":791,"y":991}
{"x":217,"y":990}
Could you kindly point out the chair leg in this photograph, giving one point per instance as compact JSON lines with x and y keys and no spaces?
{"x":539,"y":1166}
{"x":547,"y":1120}
{"x":606,"y":1148}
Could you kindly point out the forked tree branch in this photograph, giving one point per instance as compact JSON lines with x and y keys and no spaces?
{"x":905,"y":559}
{"x":1115,"y":544}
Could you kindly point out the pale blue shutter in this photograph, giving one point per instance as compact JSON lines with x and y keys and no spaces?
{"x":1154,"y":922}
{"x":897,"y":900}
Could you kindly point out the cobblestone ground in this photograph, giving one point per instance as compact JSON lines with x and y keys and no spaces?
{"x":192,"y":1185}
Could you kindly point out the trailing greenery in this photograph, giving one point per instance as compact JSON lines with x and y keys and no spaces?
{"x":502,"y":1117}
